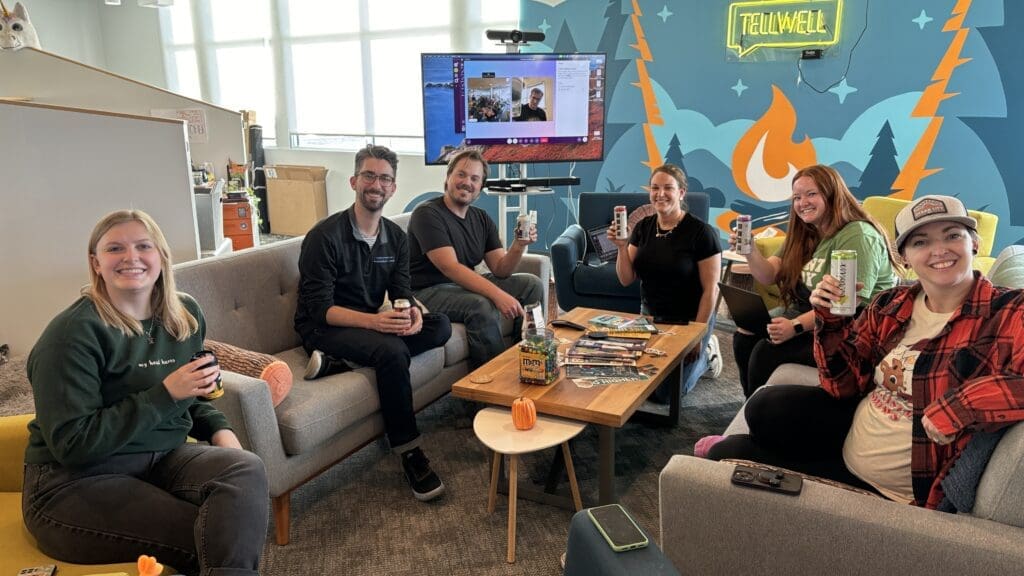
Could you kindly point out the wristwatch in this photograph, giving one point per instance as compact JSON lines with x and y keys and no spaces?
{"x":798,"y":327}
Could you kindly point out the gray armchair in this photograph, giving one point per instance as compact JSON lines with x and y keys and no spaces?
{"x":710,"y":526}
{"x":580,"y":284}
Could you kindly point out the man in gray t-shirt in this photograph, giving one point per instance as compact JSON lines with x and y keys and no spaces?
{"x":448,"y":238}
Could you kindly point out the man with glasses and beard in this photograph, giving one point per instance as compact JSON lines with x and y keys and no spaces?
{"x":349,"y":260}
{"x":448,"y":238}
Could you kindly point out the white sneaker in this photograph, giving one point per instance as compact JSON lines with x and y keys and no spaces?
{"x":714,"y":357}
{"x":315,"y":364}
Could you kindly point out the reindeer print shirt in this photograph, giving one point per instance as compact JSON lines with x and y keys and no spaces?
{"x":877,"y":448}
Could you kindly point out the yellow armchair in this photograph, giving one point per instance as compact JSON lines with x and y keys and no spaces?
{"x":20,"y":549}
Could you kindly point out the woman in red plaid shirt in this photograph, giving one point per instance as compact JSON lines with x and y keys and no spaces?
{"x":907,"y":383}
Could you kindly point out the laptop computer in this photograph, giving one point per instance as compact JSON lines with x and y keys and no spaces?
{"x":601,"y":248}
{"x":747,"y":309}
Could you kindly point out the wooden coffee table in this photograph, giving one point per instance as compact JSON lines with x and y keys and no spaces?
{"x":608,"y":406}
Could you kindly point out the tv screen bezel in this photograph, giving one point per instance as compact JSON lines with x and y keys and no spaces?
{"x":507,"y":56}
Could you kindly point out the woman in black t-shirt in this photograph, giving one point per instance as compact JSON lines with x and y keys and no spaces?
{"x":678,"y":260}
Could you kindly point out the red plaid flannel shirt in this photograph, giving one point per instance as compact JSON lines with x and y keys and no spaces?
{"x":970,"y":377}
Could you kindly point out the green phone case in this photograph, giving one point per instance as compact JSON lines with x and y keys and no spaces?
{"x":623,"y":546}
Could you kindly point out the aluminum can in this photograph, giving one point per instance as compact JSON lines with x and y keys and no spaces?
{"x":744,"y":235}
{"x":621,"y":222}
{"x":844,"y":269}
{"x":401,"y":305}
{"x":219,"y":390}
{"x":523,"y":226}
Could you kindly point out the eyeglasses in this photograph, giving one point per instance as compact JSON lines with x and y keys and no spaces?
{"x":371,"y":177}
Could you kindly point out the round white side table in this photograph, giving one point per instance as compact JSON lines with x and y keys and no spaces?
{"x":493,"y":426}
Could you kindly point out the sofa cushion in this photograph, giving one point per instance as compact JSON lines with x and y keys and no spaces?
{"x":1001,"y":490}
{"x":316,"y":410}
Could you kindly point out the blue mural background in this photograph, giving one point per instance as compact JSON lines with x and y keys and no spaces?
{"x":863,"y":125}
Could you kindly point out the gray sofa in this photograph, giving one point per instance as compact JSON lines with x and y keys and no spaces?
{"x":249,"y":300}
{"x":710,"y":526}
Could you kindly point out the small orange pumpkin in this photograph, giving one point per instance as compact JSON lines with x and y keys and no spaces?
{"x":524,"y":413}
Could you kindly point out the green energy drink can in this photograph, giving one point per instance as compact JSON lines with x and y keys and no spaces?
{"x":844,"y":269}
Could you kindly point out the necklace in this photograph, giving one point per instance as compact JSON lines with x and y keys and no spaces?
{"x":659,"y":233}
{"x":149,"y":333}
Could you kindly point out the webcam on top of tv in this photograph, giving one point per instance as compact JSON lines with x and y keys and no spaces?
{"x":515,"y":36}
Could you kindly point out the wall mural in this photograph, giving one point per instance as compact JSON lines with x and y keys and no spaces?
{"x":912,"y":98}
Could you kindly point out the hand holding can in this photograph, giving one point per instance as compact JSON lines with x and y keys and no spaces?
{"x":218,"y":391}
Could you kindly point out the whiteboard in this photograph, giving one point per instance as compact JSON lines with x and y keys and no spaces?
{"x":63,"y":169}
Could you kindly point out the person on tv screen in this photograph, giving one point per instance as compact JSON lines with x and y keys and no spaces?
{"x":448,"y":238}
{"x":531,"y":111}
{"x":109,"y":474}
{"x":678,"y":260}
{"x":348,"y":262}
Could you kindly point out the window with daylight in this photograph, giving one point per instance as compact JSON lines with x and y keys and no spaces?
{"x":333,"y":74}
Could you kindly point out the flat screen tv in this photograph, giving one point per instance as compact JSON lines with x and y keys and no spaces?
{"x":514,"y":107}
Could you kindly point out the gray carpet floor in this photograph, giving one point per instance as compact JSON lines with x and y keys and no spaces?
{"x":360,"y":517}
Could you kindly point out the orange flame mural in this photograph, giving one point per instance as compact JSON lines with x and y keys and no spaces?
{"x":765,"y":160}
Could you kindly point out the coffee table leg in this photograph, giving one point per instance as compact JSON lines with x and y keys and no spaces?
{"x":606,"y":465}
{"x":513,"y":482}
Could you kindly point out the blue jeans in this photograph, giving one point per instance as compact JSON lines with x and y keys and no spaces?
{"x":200,"y":509}
{"x":691,"y":372}
{"x":481,"y":318}
{"x":390,"y":357}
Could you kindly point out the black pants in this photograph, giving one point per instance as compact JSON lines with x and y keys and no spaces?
{"x":802,"y":428}
{"x":757,"y":358}
{"x":390,"y":357}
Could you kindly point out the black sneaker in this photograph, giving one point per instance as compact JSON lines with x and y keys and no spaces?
{"x":321,"y":365}
{"x":425,"y":483}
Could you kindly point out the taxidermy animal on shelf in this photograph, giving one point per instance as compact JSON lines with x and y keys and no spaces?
{"x":16,"y":30}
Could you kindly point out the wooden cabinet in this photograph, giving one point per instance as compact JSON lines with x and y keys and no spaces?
{"x":240,"y":224}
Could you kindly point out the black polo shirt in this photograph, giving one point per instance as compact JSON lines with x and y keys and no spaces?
{"x":338,"y":268}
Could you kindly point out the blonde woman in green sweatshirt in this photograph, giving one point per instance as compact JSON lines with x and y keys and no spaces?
{"x":108,"y":472}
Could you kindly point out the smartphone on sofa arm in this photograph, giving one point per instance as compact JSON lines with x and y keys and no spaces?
{"x":617,"y":527}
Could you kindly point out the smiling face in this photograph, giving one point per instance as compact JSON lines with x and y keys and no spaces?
{"x":665,"y":194}
{"x":941,"y":254}
{"x":809,"y":203}
{"x":371,"y":193}
{"x":465,"y":181}
{"x":127,"y":259}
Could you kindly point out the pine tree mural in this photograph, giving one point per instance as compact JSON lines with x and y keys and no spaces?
{"x":674,"y":155}
{"x":882,"y":168}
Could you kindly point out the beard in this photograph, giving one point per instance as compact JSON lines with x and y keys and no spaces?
{"x":372,"y":203}
{"x":458,"y":199}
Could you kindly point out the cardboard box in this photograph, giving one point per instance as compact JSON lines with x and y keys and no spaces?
{"x":296,"y":198}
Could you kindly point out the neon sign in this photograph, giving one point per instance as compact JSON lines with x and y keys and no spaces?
{"x":783,"y":24}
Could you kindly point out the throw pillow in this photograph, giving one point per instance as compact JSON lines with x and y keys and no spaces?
{"x":274,"y":372}
{"x":1008,"y":269}
{"x":638,"y":214}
